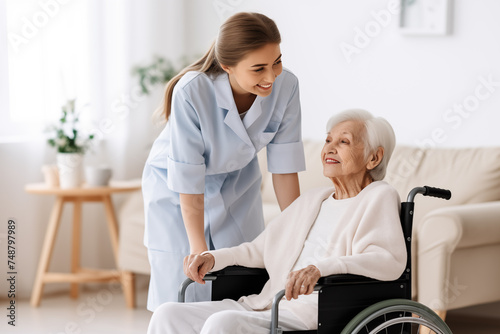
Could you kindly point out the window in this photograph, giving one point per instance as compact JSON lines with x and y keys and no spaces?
{"x":46,"y":61}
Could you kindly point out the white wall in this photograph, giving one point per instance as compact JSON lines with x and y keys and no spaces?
{"x":414,"y":82}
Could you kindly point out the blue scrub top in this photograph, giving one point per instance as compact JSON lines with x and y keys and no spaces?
{"x":207,"y":148}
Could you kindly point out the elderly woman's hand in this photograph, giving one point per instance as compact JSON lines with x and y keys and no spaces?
{"x":196,"y":266}
{"x":301,"y":282}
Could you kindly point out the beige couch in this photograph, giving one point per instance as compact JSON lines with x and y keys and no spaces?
{"x":456,"y":242}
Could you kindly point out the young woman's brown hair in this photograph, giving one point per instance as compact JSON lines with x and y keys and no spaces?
{"x":240,"y":34}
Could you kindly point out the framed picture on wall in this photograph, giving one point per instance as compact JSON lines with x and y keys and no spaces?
{"x":425,"y":17}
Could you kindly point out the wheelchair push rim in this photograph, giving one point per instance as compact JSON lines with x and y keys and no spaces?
{"x":410,"y":313}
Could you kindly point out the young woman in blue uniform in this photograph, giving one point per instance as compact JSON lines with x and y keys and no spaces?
{"x":201,"y":182}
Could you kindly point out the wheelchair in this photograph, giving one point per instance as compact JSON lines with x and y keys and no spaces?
{"x":347,"y":304}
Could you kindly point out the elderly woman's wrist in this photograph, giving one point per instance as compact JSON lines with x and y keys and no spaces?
{"x":316,"y":268}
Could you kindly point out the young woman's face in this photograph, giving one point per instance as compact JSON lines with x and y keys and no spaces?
{"x":255,"y":74}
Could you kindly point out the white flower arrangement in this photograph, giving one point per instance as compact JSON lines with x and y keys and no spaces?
{"x":66,"y":137}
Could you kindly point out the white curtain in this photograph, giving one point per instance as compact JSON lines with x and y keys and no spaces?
{"x":54,"y":50}
{"x":85,"y":49}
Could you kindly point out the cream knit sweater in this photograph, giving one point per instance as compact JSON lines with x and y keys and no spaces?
{"x":367,"y":240}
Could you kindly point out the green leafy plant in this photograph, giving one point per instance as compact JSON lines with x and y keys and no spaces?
{"x":66,"y":136}
{"x":158,"y":72}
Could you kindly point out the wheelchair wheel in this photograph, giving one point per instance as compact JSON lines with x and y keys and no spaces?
{"x":397,"y":316}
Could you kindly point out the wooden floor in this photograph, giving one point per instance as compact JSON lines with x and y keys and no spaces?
{"x":483,"y":319}
{"x":96,"y":311}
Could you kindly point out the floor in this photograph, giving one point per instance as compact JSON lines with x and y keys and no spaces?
{"x":481,"y":319}
{"x":102,"y":310}
{"x":96,"y":311}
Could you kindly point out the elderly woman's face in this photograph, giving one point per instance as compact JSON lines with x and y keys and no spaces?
{"x":343,"y":154}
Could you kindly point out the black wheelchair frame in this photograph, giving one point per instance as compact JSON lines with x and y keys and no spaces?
{"x":342,"y":298}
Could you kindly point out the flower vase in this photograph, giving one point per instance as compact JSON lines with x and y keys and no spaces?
{"x":70,"y":166}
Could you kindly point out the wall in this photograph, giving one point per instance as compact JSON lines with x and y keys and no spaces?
{"x":414,"y":82}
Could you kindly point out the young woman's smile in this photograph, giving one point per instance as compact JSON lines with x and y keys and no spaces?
{"x":255,"y":74}
{"x":265,"y":87}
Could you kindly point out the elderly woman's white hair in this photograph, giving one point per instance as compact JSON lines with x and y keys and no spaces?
{"x":379,"y":133}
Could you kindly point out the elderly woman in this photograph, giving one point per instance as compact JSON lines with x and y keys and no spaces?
{"x":352,"y":228}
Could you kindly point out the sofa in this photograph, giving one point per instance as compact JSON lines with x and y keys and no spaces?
{"x":456,"y":243}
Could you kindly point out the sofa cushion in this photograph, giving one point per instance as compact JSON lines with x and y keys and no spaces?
{"x":132,"y":254}
{"x":472,"y":175}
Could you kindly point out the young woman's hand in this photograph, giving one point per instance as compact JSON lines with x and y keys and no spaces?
{"x":196,"y":266}
{"x":301,"y":282}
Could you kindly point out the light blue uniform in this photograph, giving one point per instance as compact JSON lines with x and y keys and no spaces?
{"x":206,"y":148}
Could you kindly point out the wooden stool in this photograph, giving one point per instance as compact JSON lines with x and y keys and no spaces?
{"x":78,"y":274}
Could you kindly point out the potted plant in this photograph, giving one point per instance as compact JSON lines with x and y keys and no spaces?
{"x":156,"y":73}
{"x":71,"y":145}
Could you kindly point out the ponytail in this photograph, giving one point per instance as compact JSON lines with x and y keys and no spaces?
{"x":206,"y":64}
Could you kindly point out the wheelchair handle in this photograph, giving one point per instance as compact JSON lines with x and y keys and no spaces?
{"x":429,"y":191}
{"x":181,"y":295}
{"x":437,"y":192}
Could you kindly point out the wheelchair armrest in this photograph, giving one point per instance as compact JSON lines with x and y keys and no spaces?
{"x":231,"y":282}
{"x":345,"y":279}
{"x":239,"y":271}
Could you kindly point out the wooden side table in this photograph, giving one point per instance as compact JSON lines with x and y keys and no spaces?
{"x":78,"y":274}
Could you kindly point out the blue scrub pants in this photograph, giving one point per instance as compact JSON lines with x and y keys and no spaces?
{"x":167,"y":274}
